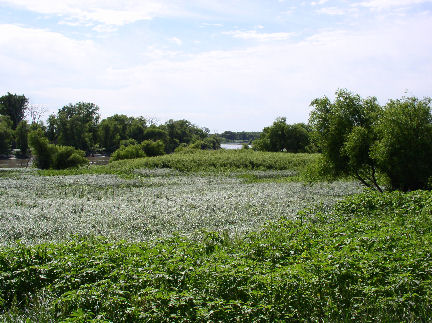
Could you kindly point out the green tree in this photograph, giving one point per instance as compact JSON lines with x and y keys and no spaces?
{"x":344,"y":132}
{"x":404,"y":148}
{"x":136,"y":129}
{"x":14,"y":106}
{"x":182,"y":131}
{"x":75,"y":125}
{"x":109,"y":135}
{"x":6,"y":135}
{"x":281,"y":136}
{"x":155,"y":133}
{"x":21,"y":138}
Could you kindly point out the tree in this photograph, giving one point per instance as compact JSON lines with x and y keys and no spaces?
{"x":109,"y":135}
{"x":75,"y":125}
{"x":21,"y":138}
{"x":6,"y":135}
{"x":14,"y":106}
{"x":283,"y":137}
{"x":182,"y":131}
{"x":344,"y":131}
{"x":404,"y":148}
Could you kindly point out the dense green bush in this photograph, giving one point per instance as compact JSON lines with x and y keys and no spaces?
{"x":153,"y":148}
{"x":128,"y":152}
{"x":360,"y":138}
{"x":49,"y":156}
{"x":368,"y":260}
{"x":404,"y":149}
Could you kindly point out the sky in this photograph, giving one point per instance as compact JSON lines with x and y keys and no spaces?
{"x":225,"y":65}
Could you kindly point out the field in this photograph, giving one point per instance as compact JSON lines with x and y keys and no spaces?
{"x":213,"y":236}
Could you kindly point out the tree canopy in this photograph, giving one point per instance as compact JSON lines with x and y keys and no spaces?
{"x":14,"y":106}
{"x":283,"y":137}
{"x":360,"y":138}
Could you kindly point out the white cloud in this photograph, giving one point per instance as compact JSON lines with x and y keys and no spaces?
{"x":334,"y":11}
{"x":386,"y":4}
{"x":320,"y":2}
{"x":254,"y":35}
{"x":230,"y":89}
{"x":107,"y":12}
{"x":176,"y":41}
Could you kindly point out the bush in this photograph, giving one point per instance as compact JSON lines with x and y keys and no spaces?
{"x":153,"y":148}
{"x":404,"y":149}
{"x":49,"y":156}
{"x":360,"y":138}
{"x":128,"y":152}
{"x":67,"y":157}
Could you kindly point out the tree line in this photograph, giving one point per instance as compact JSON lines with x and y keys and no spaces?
{"x":390,"y":144}
{"x":79,"y":126}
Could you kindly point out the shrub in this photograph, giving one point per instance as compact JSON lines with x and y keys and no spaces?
{"x":48,"y":156}
{"x":67,"y":157}
{"x":128,"y":152}
{"x":404,"y":149}
{"x":153,"y":148}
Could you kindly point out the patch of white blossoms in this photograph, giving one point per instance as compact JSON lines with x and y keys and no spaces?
{"x":36,"y":209}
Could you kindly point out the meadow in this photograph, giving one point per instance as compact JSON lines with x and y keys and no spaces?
{"x":210,"y":236}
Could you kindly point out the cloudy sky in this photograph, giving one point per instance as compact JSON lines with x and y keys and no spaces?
{"x":222,"y":64}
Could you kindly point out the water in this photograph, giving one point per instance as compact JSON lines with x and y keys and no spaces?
{"x":20,"y":163}
{"x":232,"y":146}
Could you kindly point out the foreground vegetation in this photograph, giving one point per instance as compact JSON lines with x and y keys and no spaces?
{"x":366,"y":259}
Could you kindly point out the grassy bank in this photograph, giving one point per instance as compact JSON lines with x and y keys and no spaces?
{"x":367,"y":259}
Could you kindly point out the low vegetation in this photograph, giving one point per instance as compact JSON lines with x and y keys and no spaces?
{"x":366,"y":259}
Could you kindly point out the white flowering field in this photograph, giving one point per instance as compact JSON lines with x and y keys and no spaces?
{"x":151,"y":204}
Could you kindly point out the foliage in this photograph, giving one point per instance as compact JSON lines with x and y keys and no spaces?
{"x":404,"y":149}
{"x":153,"y":148}
{"x":48,"y":156}
{"x":75,"y":125}
{"x":182,"y":132}
{"x":283,"y":137}
{"x":128,"y":152}
{"x":219,"y":160}
{"x":208,"y":143}
{"x":154,"y":133}
{"x":14,"y":106}
{"x":362,"y":139}
{"x":42,"y":150}
{"x":21,"y":138}
{"x":6,"y":135}
{"x":366,"y":260}
{"x":344,"y":132}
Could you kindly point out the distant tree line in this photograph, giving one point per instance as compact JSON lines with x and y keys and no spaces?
{"x":79,"y":126}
